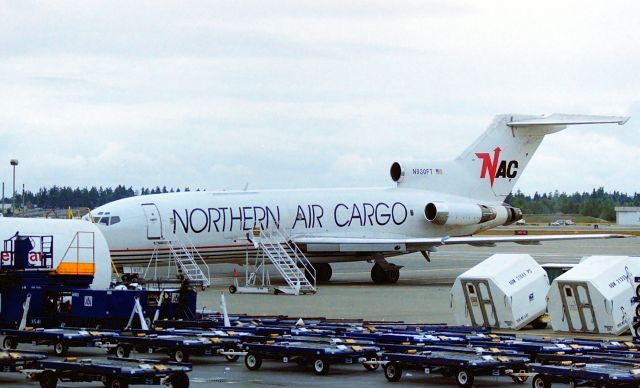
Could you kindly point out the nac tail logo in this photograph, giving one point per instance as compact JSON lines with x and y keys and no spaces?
{"x":496,"y":168}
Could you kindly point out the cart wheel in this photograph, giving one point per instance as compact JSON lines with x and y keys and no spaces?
{"x":179,"y":380}
{"x":122,"y":351}
{"x":393,"y":371}
{"x":9,"y":343}
{"x":321,"y":366}
{"x":180,"y":355}
{"x":371,"y":367}
{"x":519,"y":379}
{"x":252,"y":361}
{"x":464,"y":378}
{"x":233,"y":289}
{"x":60,"y":348}
{"x":117,"y":382}
{"x":232,"y":358}
{"x":48,"y":379}
{"x":540,"y":381}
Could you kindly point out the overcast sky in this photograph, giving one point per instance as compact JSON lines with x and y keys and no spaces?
{"x":220,"y":94}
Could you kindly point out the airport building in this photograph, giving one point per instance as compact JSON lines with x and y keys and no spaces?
{"x":626,"y":215}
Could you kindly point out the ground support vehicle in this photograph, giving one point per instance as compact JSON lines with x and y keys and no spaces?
{"x":178,"y":347}
{"x":463,"y":366}
{"x":606,"y":374}
{"x":321,"y":356}
{"x":533,"y":347}
{"x":11,"y":361}
{"x":61,"y":338}
{"x":113,"y":373}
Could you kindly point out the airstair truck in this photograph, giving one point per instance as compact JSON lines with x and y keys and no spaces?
{"x":505,"y":291}
{"x":594,"y":296}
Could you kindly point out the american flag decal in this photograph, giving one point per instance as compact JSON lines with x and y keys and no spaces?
{"x":438,"y":171}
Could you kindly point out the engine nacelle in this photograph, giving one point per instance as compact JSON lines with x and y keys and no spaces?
{"x":442,"y":213}
{"x":513,"y":214}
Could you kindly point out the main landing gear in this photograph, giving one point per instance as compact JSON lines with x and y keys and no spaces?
{"x":323,"y":272}
{"x":384,"y":272}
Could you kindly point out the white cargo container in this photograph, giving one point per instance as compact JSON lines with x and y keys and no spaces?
{"x":594,"y":296}
{"x":503,"y":291}
{"x":81,"y":242}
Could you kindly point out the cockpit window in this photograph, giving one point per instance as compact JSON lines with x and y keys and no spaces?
{"x":107,"y":220}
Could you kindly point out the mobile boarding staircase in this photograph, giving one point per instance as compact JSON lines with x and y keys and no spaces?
{"x":185,"y":258}
{"x":286,"y":257}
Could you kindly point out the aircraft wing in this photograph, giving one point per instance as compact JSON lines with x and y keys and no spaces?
{"x":362,"y":244}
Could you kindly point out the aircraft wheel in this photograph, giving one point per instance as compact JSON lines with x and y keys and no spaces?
{"x":9,"y":343}
{"x":393,"y":371}
{"x":321,"y":366}
{"x":464,"y":378}
{"x":377,"y":274}
{"x":48,"y":379}
{"x":252,"y":361}
{"x":392,"y":276}
{"x":323,"y":272}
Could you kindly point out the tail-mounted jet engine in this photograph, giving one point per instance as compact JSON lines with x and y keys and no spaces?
{"x":443,"y":213}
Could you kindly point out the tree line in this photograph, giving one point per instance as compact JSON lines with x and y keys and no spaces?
{"x":598,"y":203}
{"x":61,"y":197}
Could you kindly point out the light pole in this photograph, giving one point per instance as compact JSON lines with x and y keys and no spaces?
{"x":14,"y":163}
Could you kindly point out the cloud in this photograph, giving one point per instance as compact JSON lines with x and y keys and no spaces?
{"x":302,"y":94}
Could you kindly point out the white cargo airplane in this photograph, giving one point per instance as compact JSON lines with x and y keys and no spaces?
{"x":433,"y":204}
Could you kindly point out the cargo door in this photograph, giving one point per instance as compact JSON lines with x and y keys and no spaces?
{"x":480,"y":303}
{"x":586,"y":307}
{"x":577,"y":306}
{"x":154,"y":222}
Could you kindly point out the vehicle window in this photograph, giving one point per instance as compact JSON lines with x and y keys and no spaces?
{"x":114,"y":220}
{"x":103,"y":220}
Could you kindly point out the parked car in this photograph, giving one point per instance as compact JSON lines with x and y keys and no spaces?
{"x":521,"y":222}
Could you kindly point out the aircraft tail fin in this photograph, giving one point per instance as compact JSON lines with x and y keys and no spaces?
{"x":490,"y":167}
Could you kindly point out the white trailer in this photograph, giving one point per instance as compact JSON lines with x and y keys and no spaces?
{"x":594,"y":296}
{"x":78,"y":241}
{"x":505,"y":291}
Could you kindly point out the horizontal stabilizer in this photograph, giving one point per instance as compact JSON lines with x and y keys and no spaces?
{"x":566,"y":119}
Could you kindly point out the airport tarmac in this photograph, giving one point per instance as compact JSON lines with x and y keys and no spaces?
{"x":421,"y":295}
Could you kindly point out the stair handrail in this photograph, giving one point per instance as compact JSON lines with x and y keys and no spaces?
{"x":298,"y":256}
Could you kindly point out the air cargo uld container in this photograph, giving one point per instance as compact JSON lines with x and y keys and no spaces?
{"x":77,"y":242}
{"x":503,"y":291}
{"x":594,"y":296}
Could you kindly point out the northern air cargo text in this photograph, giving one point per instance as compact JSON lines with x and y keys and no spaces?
{"x":308,"y":216}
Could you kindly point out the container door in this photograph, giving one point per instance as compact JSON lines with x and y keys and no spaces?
{"x":473,"y":303}
{"x":570,"y":307}
{"x":154,"y":222}
{"x":578,"y":307}
{"x":481,"y":308}
{"x":586,"y":308}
